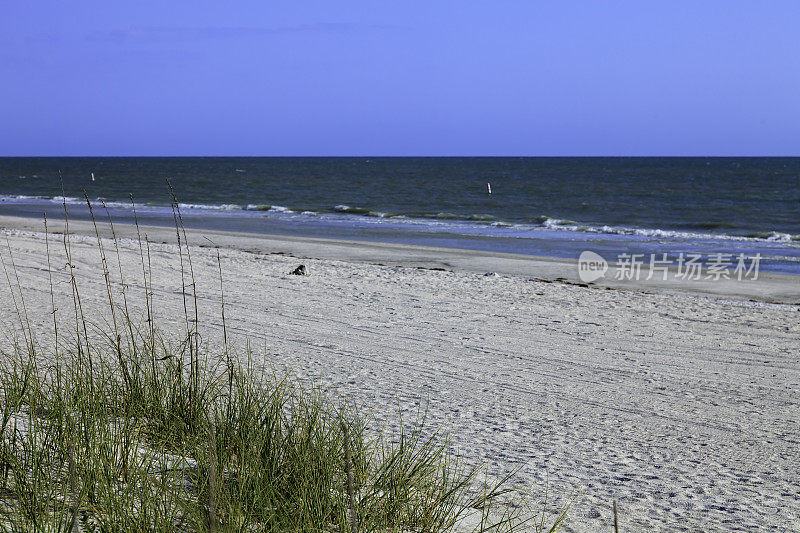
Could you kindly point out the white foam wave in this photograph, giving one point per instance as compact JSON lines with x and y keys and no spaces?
{"x":268,"y":208}
{"x":212,"y":207}
{"x":568,"y":225}
{"x":12,"y":197}
{"x":69,"y":200}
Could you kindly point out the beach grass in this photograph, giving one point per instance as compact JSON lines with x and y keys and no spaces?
{"x":119,"y":426}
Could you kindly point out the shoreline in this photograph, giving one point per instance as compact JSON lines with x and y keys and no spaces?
{"x":770,"y":287}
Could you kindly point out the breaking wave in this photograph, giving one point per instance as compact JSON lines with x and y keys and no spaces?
{"x":448,"y":221}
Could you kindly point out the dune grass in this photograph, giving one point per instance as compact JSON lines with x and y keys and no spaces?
{"x":120,"y":427}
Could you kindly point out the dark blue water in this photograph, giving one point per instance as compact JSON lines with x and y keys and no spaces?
{"x":540,"y":206}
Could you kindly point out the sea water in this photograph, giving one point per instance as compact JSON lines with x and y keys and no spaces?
{"x":554,"y":207}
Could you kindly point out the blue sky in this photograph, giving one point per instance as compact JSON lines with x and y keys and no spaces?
{"x":402,"y":78}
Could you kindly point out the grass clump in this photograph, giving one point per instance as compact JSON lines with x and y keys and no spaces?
{"x":129,"y":431}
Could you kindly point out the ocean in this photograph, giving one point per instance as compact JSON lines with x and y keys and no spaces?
{"x":554,"y":207}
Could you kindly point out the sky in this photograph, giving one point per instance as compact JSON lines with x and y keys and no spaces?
{"x":298,"y":78}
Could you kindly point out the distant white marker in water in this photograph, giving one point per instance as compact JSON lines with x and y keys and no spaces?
{"x":489,"y":188}
{"x":92,"y":176}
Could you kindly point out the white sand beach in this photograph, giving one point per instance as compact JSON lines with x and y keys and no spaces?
{"x":682,"y":402}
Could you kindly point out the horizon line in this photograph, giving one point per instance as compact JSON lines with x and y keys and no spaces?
{"x":708,"y":156}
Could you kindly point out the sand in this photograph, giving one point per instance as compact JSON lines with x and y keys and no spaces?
{"x":680,"y":402}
